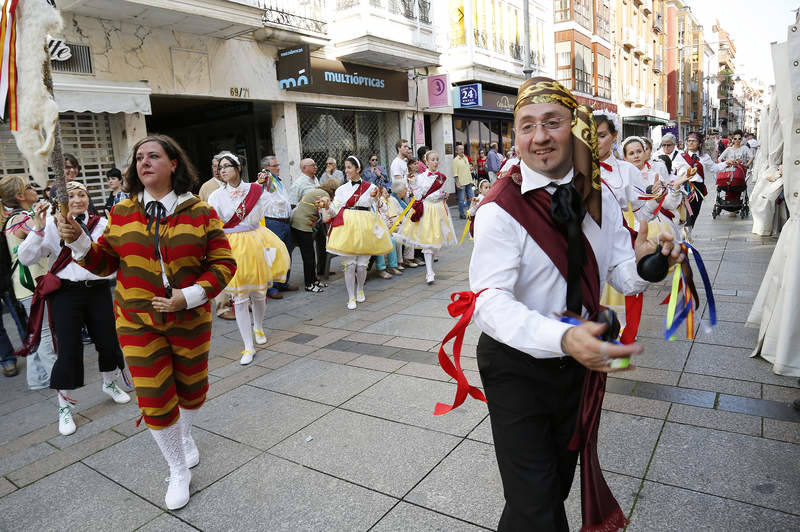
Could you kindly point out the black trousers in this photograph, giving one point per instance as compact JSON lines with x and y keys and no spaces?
{"x":321,"y":245}
{"x":696,"y":203}
{"x":533,"y":406}
{"x":72,"y":307}
{"x":305,"y":241}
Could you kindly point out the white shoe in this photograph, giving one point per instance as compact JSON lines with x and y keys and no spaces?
{"x":360,"y":297}
{"x":351,"y":305}
{"x":111,"y":389}
{"x":66,"y":425}
{"x":261,"y":338}
{"x":429,"y":278}
{"x":247,"y":357}
{"x":178,"y":490}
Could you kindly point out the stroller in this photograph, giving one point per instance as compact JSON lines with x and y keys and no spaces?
{"x":732,"y":192}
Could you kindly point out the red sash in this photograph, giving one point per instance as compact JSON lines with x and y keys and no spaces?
{"x":351,"y":201}
{"x":692,"y":164}
{"x":418,"y":207}
{"x":46,"y":285}
{"x":245,"y":207}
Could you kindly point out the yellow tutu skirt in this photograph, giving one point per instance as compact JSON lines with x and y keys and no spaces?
{"x":363,"y":233}
{"x":261,"y":258}
{"x":433,"y":231}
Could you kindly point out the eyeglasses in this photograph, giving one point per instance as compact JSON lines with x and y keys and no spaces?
{"x":374,"y":159}
{"x":70,"y":167}
{"x":550,"y":124}
{"x":737,"y":138}
{"x":226,"y":166}
{"x":329,"y":164}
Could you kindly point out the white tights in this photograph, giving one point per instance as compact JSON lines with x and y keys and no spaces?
{"x":428,"y":254}
{"x":355,"y":271}
{"x":240,"y":305}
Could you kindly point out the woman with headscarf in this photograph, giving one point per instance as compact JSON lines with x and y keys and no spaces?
{"x":240,"y":206}
{"x":81,"y":299}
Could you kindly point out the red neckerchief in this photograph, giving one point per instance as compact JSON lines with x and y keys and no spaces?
{"x":245,"y":207}
{"x":46,"y":285}
{"x":418,"y":207}
{"x":351,"y":201}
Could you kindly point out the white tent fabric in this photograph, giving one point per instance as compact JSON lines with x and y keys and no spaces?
{"x":99,"y":96}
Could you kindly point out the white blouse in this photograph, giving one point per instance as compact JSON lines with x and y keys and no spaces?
{"x":622,"y":179}
{"x":421,"y":185}
{"x":36,"y":247}
{"x":226,"y":198}
{"x":344,"y":192}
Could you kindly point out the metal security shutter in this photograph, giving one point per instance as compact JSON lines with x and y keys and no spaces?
{"x":328,"y":132}
{"x":85,"y":135}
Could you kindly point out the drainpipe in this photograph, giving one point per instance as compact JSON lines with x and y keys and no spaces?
{"x":526,"y":40}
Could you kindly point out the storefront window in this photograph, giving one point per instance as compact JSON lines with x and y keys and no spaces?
{"x":337,"y":133}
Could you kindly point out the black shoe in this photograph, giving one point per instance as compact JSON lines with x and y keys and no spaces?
{"x":85,"y":337}
{"x":314,"y":288}
{"x":462,"y":216}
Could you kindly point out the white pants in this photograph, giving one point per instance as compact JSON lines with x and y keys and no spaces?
{"x":40,"y":363}
{"x":492,"y":177}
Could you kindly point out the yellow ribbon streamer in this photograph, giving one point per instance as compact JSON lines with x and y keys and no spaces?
{"x":466,"y":228}
{"x":673,"y":298}
{"x":402,"y":215}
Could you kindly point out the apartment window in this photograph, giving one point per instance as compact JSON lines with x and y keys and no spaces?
{"x":584,"y":67}
{"x":582,"y":11}
{"x":458,"y":36}
{"x":564,"y":63}
{"x":560,"y":10}
{"x":603,"y":76}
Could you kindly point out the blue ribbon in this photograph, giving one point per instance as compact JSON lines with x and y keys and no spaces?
{"x":685,"y":306}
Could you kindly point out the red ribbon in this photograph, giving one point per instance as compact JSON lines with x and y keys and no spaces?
{"x":606,"y":166}
{"x":633,"y":316}
{"x":463,"y":304}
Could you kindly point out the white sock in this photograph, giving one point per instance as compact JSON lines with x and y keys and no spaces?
{"x":243,"y":321}
{"x":108,"y":376}
{"x":259,"y":309}
{"x":428,"y":261}
{"x":350,"y":279}
{"x":361,"y":276}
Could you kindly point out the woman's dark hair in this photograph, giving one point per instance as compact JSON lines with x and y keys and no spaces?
{"x":700,"y":138}
{"x":412,"y":161}
{"x":603,"y":119}
{"x":234,"y":162}
{"x":421,"y":151}
{"x":355,"y":161}
{"x":115,"y":173}
{"x":69,"y":158}
{"x":738,"y":132}
{"x":667,"y":162}
{"x":184,"y":178}
{"x":648,"y":142}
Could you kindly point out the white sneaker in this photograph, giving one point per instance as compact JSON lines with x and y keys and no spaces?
{"x":111,"y":389}
{"x":351,"y":305}
{"x":360,"y":297}
{"x":178,"y":491}
{"x":261,"y":338}
{"x":66,"y":425}
{"x":247,"y":357}
{"x":429,"y":278}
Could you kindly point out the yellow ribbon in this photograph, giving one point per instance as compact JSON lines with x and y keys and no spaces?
{"x":673,"y":298}
{"x":466,"y":228}
{"x":402,"y":215}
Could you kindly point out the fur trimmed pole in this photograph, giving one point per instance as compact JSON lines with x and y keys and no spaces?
{"x":59,"y":191}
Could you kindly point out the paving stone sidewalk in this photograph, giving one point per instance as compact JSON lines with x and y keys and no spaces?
{"x":332,"y":429}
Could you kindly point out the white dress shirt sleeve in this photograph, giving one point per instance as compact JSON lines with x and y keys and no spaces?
{"x":495,"y":266}
{"x":622,"y":273}
{"x":81,"y":246}
{"x":195,"y":296}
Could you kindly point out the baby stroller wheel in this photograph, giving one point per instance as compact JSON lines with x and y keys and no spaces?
{"x":715,"y":212}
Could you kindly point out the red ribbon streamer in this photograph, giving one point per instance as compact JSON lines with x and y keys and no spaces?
{"x":463,"y":304}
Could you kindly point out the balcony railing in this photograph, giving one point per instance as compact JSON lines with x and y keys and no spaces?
{"x":307,"y":17}
{"x":657,"y":66}
{"x":658,"y":23}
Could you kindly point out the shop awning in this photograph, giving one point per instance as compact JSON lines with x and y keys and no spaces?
{"x":644,"y":120}
{"x":98,"y":96}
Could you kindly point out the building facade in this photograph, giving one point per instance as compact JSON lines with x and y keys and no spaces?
{"x":583,"y":36}
{"x":639,"y":58}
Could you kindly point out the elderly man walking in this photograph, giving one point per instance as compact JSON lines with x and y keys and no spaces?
{"x":493,"y":163}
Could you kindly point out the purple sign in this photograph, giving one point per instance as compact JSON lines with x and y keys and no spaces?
{"x":438,"y":90}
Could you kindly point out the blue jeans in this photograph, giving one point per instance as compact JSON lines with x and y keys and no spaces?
{"x":6,"y":349}
{"x":284,"y":232}
{"x":465,"y":195}
{"x":380,"y":260}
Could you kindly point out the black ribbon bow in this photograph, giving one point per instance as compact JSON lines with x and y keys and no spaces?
{"x":155,"y":212}
{"x":356,"y":183}
{"x":566,"y":208}
{"x":694,"y":158}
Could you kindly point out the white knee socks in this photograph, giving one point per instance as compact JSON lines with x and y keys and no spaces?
{"x":189,"y":448}
{"x":241,"y":304}
{"x":259,"y":309}
{"x":171,"y":445}
{"x":361,"y":277}
{"x":428,"y":254}
{"x":350,"y":279}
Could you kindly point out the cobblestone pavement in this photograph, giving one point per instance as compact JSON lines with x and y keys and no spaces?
{"x":331,"y":428}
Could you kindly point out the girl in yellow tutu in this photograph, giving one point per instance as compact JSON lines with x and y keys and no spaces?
{"x":356,"y":230}
{"x":261,"y":257}
{"x":428,"y":225}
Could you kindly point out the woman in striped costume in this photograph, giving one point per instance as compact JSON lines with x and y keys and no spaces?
{"x":171,"y":257}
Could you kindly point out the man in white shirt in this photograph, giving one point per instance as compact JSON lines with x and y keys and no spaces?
{"x":399,"y":167}
{"x":305,"y":182}
{"x":532,"y":364}
{"x":277,"y":217}
{"x":668,"y":148}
